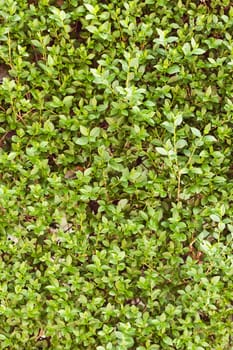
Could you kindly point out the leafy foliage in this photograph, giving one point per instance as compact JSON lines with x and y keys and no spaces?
{"x":116,"y":174}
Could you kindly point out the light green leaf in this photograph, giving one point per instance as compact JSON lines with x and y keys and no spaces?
{"x":193,"y":43}
{"x":91,"y":29}
{"x":90,"y":8}
{"x":178,"y":119}
{"x":95,"y":132}
{"x":198,"y":51}
{"x":167,"y":340}
{"x":209,"y":138}
{"x":84,"y":131}
{"x":186,"y":49}
{"x":36,"y":43}
{"x":181,"y":143}
{"x":67,"y":101}
{"x":48,"y":126}
{"x":161,"y":151}
{"x":50,"y":60}
{"x":134,"y":62}
{"x":68,"y":260}
{"x":12,"y":155}
{"x":168,"y":126}
{"x":196,"y":132}
{"x":56,"y":102}
{"x":215,"y":218}
{"x":215,"y":279}
{"x":122,"y":203}
{"x":81,"y":141}
{"x":173,"y":69}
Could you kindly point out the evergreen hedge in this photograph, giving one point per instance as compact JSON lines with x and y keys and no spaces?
{"x":116,"y":174}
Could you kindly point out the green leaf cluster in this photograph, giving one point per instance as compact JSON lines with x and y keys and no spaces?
{"x":116,"y":174}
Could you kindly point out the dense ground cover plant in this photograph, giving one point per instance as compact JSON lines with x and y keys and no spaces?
{"x":116,"y":174}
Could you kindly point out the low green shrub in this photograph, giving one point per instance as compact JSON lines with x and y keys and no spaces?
{"x":116,"y":174}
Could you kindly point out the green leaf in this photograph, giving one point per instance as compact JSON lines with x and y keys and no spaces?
{"x":36,"y":43}
{"x":186,"y":49}
{"x":95,"y":132}
{"x":162,"y":151}
{"x":169,"y":127}
{"x":209,"y":138}
{"x":50,"y":60}
{"x":196,"y":132}
{"x":174,"y":69}
{"x":215,"y":218}
{"x":84,"y":131}
{"x":90,"y":8}
{"x":181,"y":143}
{"x":81,"y":141}
{"x":215,"y":279}
{"x":92,"y":29}
{"x":56,"y":102}
{"x":67,"y":101}
{"x":167,"y":340}
{"x":48,"y":126}
{"x":178,"y":119}
{"x":68,"y":260}
{"x":122,"y":203}
{"x":193,"y":43}
{"x":198,"y":51}
{"x":12,"y":156}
